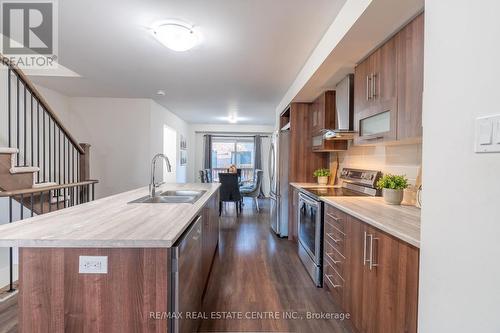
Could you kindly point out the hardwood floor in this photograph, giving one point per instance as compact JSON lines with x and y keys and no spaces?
{"x":256,"y":272}
{"x":8,"y":315}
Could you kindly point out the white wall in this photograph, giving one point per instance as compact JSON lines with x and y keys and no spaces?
{"x":59,"y":103}
{"x":159,"y":118}
{"x":119,"y":131}
{"x":198,"y":130}
{"x":124,"y":134}
{"x":459,"y":272}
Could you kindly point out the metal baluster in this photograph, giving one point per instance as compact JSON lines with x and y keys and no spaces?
{"x":57,"y":195}
{"x":50,"y":201}
{"x":25,"y":130}
{"x":17,"y":120}
{"x":87,"y":192}
{"x":11,"y":277}
{"x":78,"y":166}
{"x":44,"y":160}
{"x":73,"y":163}
{"x":31,"y":148}
{"x":38,"y":137}
{"x":93,"y":192}
{"x":21,"y":213}
{"x":59,"y":156}
{"x":50,"y":151}
{"x":41,"y":202}
{"x":67,"y":154}
{"x":54,"y":121}
{"x":9,"y":108}
{"x":31,"y":204}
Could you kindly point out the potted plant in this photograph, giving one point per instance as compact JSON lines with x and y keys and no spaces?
{"x":322,"y":175}
{"x":392,"y":188}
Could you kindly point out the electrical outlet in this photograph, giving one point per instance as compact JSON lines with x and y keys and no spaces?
{"x":93,"y":265}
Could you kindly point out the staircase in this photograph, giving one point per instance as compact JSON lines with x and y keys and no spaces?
{"x":43,"y":168}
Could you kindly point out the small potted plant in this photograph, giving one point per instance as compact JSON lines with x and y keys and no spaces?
{"x":393,"y":188}
{"x":322,"y":175}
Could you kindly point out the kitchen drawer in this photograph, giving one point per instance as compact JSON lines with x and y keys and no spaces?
{"x":334,"y":258}
{"x":335,"y":238}
{"x":333,"y":282}
{"x":335,"y":217}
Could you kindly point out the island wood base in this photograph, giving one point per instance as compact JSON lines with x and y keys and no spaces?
{"x":55,"y":298}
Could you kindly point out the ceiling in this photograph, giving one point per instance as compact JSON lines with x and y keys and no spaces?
{"x":251,"y":52}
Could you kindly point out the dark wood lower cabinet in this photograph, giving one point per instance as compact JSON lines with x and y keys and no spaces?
{"x":210,"y":237}
{"x":380,"y":288}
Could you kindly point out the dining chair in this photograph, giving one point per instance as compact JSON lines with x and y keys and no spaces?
{"x":229,"y":191}
{"x":208,"y":175}
{"x":252,"y":190}
{"x":202,"y":176}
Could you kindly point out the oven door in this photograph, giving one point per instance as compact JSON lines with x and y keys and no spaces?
{"x":309,"y":213}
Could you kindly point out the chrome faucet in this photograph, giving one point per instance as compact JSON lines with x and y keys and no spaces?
{"x":153,"y":185}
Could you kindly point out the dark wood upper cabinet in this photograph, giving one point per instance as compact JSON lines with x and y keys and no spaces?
{"x":375,"y":117}
{"x":388,"y":89}
{"x":322,"y":116}
{"x":410,"y":46}
{"x":322,"y":113}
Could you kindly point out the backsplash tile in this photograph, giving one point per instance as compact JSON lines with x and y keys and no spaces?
{"x":397,"y":159}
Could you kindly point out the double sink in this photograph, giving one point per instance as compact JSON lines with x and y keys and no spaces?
{"x":176,"y":196}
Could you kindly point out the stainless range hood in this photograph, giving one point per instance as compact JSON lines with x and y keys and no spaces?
{"x":344,"y":115}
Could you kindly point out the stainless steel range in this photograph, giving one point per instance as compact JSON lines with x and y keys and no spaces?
{"x":356,"y":182}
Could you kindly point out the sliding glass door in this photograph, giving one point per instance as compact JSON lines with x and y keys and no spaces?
{"x":238,"y":151}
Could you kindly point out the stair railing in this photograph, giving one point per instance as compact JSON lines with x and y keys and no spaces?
{"x":37,"y":132}
{"x":28,"y":123}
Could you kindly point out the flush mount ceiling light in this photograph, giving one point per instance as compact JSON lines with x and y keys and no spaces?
{"x":233,"y":119}
{"x":176,"y":35}
{"x":160,"y":93}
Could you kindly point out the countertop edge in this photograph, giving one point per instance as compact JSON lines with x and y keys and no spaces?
{"x":108,"y":243}
{"x":410,"y":240}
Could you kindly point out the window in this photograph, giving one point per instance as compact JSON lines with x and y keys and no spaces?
{"x":237,"y":151}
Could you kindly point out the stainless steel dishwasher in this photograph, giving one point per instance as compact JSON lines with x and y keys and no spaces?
{"x":186,"y":280}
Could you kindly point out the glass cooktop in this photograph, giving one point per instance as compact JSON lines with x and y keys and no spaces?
{"x":333,"y":192}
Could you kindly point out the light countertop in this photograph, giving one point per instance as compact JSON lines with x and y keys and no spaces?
{"x":110,"y":222}
{"x":310,"y":185}
{"x":400,"y":221}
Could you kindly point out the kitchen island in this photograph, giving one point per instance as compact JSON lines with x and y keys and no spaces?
{"x":113,"y":266}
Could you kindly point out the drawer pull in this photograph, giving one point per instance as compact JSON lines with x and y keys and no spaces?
{"x":329,"y":255}
{"x":334,"y":227}
{"x":329,"y":277}
{"x":333,"y":217}
{"x":333,"y":239}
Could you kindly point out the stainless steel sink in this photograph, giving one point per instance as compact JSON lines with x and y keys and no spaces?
{"x":179,"y":196}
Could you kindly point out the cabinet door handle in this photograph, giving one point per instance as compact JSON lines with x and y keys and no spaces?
{"x":374,"y":85}
{"x":372,"y":264}
{"x":368,"y":85}
{"x":329,"y":255}
{"x":329,"y":277}
{"x":364,"y":249}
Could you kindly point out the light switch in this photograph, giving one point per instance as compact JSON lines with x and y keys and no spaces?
{"x":497,"y":132}
{"x":487,"y":138}
{"x":485,"y":132}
